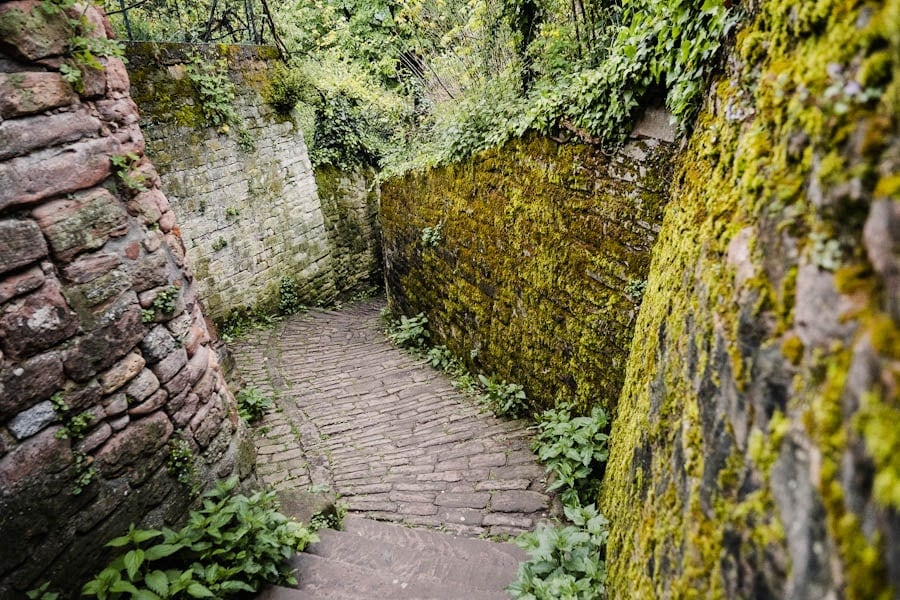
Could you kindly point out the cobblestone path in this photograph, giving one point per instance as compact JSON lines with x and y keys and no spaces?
{"x":384,"y":430}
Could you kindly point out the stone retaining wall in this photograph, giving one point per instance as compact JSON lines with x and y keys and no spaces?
{"x":105,"y":359}
{"x":245,"y":194}
{"x":536,"y":274}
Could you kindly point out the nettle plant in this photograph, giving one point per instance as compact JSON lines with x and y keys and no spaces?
{"x":502,"y":397}
{"x":410,"y":332}
{"x":573,"y":450}
{"x":252,"y":405}
{"x":568,"y":561}
{"x":232,"y":545}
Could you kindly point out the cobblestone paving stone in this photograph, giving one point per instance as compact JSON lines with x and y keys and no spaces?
{"x":384,"y":430}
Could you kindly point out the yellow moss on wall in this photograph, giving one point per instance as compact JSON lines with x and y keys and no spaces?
{"x":542,"y":251}
{"x":757,"y":367}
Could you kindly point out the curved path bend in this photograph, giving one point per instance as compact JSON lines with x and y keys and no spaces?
{"x":384,"y":430}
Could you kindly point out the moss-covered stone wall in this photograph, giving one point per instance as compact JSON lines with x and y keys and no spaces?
{"x":756,"y":449}
{"x":541,"y":256}
{"x":245,"y":192}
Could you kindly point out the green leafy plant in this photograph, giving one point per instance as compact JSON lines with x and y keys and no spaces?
{"x":245,"y":140}
{"x":503,"y":398}
{"x":85,"y":473}
{"x":164,"y":303}
{"x":74,"y":426}
{"x":232,"y":212}
{"x":215,"y":90}
{"x":289,"y":297}
{"x":432,"y":236}
{"x":565,"y":561}
{"x":232,"y":545}
{"x":410,"y":332}
{"x":182,"y":464}
{"x":84,"y":49}
{"x":635,"y":289}
{"x":123,"y":165}
{"x":42,"y":593}
{"x":573,"y":450}
{"x":219,"y":244}
{"x":252,"y":405}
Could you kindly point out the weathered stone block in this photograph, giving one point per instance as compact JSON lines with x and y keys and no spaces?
{"x":21,"y":243}
{"x":205,"y":423}
{"x":117,"y":79}
{"x":41,"y":454}
{"x":101,"y":348}
{"x":141,"y":438}
{"x":121,"y":373}
{"x":90,"y":266}
{"x":26,"y":93}
{"x":142,"y":386}
{"x":21,"y":283}
{"x":185,"y":405}
{"x":144,"y":205}
{"x":178,"y":383}
{"x":168,"y":367}
{"x":29,"y":422}
{"x":36,"y":322}
{"x":115,"y":405}
{"x":154,"y":402}
{"x":98,"y":291}
{"x":21,"y":136}
{"x":150,"y":272}
{"x":33,"y":32}
{"x":83,"y":222}
{"x":158,"y":344}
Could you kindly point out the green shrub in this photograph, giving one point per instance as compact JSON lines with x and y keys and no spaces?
{"x":410,"y":332}
{"x":573,"y":449}
{"x":287,"y":87}
{"x":566,"y":562}
{"x":504,"y":398}
{"x":233,"y":544}
{"x":252,"y":405}
{"x":289,"y":297}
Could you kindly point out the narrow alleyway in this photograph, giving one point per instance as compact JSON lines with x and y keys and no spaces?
{"x":384,"y":430}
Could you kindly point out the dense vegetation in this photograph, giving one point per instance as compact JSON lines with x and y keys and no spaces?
{"x":407,"y":83}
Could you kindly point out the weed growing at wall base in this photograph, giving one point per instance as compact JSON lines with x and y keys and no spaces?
{"x":574,"y":450}
{"x":252,"y":405}
{"x":232,"y":545}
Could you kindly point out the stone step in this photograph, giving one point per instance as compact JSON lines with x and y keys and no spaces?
{"x":483,"y":569}
{"x":501,"y":554}
{"x":373,"y":560}
{"x":330,"y":579}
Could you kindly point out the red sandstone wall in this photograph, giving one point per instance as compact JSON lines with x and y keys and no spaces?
{"x":82,"y":259}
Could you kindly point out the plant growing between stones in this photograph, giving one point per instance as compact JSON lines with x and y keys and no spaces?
{"x":83,"y":49}
{"x":74,"y":428}
{"x":216,"y":91}
{"x":432,"y":236}
{"x":42,"y":593}
{"x":410,"y":332}
{"x":164,"y":304}
{"x":233,"y":544}
{"x":573,"y":450}
{"x":503,"y":398}
{"x":289,"y":297}
{"x":182,"y":464}
{"x":635,"y":290}
{"x":252,"y":405}
{"x":219,"y":244}
{"x":122,"y":165}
